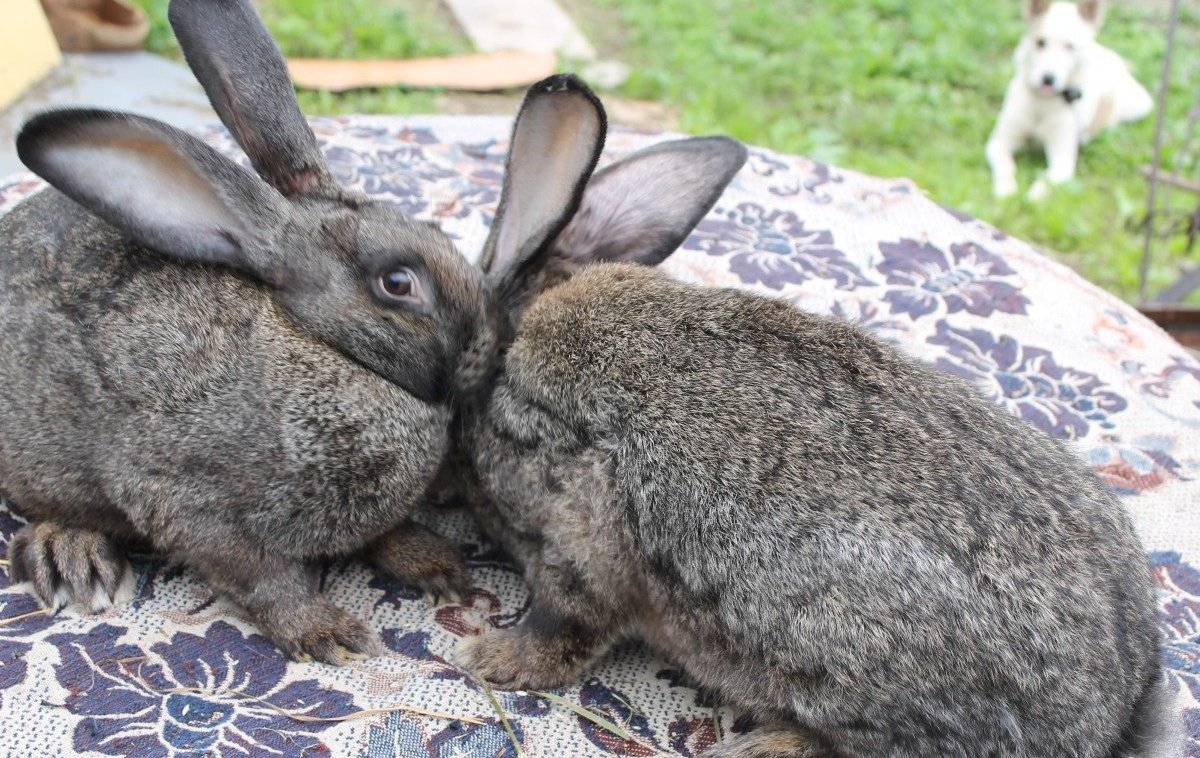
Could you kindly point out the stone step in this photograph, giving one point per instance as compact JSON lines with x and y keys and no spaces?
{"x":533,"y":26}
{"x":527,"y":25}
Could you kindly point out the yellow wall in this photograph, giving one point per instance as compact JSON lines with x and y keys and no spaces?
{"x":27,"y":48}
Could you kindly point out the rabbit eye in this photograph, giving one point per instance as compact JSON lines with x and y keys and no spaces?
{"x":398,"y":283}
{"x":400,"y":286}
{"x":1041,"y":43}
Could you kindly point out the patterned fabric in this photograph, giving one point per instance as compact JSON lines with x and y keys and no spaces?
{"x":179,"y":672}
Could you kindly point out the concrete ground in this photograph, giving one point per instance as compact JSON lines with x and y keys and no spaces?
{"x":137,"y":82}
{"x":153,"y":86}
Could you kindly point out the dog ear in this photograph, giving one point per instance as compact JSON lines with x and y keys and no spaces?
{"x":1092,"y":12}
{"x":1035,"y":8}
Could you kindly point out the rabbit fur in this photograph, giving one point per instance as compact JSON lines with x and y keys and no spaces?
{"x":249,"y":376}
{"x":853,"y":548}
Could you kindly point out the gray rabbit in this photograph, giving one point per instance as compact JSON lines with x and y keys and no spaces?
{"x":247,"y":375}
{"x":850,"y":546}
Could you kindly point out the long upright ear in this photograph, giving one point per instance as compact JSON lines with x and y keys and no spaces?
{"x":556,"y":141}
{"x":164,"y":188}
{"x":243,"y":72}
{"x":1035,"y":8}
{"x":642,"y":208}
{"x":1092,"y":12}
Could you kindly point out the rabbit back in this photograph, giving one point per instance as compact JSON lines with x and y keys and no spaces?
{"x":857,"y":539}
{"x":176,"y":400}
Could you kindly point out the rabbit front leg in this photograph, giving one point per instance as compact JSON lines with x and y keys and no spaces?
{"x":564,"y":629}
{"x":68,"y":566}
{"x":419,"y":557}
{"x":280,"y":593}
{"x":768,"y":742}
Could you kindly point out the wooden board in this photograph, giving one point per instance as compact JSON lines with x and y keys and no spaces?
{"x":480,"y":72}
{"x":27,"y":48}
{"x":1181,"y":323}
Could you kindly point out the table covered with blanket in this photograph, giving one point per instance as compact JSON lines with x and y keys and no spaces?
{"x":181,"y":672}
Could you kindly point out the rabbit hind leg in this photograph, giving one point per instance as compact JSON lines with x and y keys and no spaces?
{"x":419,"y":557}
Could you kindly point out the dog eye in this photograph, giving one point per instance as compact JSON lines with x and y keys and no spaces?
{"x":1041,"y":42}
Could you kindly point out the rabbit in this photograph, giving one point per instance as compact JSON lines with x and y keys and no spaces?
{"x":248,"y":375}
{"x":854,"y":549}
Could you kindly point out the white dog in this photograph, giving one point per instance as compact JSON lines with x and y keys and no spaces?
{"x":1067,"y":89}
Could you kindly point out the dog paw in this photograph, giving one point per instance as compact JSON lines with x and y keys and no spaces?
{"x":327,"y":634}
{"x":79,"y":569}
{"x":1003,"y":188}
{"x":1040,"y":190}
{"x":510,"y":659}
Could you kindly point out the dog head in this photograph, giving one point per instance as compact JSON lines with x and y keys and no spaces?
{"x":1059,"y":39}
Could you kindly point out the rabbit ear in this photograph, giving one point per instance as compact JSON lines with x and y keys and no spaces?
{"x":642,"y":208}
{"x":556,"y":140}
{"x":164,"y":188}
{"x":244,"y":74}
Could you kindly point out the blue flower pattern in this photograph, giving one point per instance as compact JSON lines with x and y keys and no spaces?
{"x":170,"y":676}
{"x":193,"y":695}
{"x":1027,"y":381}
{"x":923,"y":279}
{"x":1179,"y":586}
{"x":773,"y":248}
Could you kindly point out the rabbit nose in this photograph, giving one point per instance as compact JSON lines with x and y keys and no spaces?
{"x":1048,"y":80}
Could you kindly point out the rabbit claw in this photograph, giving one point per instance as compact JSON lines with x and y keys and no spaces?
{"x":767,"y":743}
{"x":331,"y":636}
{"x":72,"y":568}
{"x":513,"y":659}
{"x":442,"y":595}
{"x":421,"y":558}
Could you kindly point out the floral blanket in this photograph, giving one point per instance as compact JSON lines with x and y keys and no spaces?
{"x":180,"y":672}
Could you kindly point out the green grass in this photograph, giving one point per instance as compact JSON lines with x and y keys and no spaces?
{"x":903,"y":88}
{"x":341,"y":29}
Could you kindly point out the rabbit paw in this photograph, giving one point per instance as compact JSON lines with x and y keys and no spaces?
{"x":767,"y":743}
{"x":421,"y":558}
{"x":70,"y":568}
{"x":515,"y":660}
{"x":323,"y":632}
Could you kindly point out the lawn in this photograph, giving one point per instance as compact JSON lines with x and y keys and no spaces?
{"x":889,"y":87}
{"x":344,"y":29}
{"x":905,"y":88}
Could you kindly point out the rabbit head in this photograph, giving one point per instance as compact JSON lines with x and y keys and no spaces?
{"x":556,"y":216}
{"x":387,"y":291}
